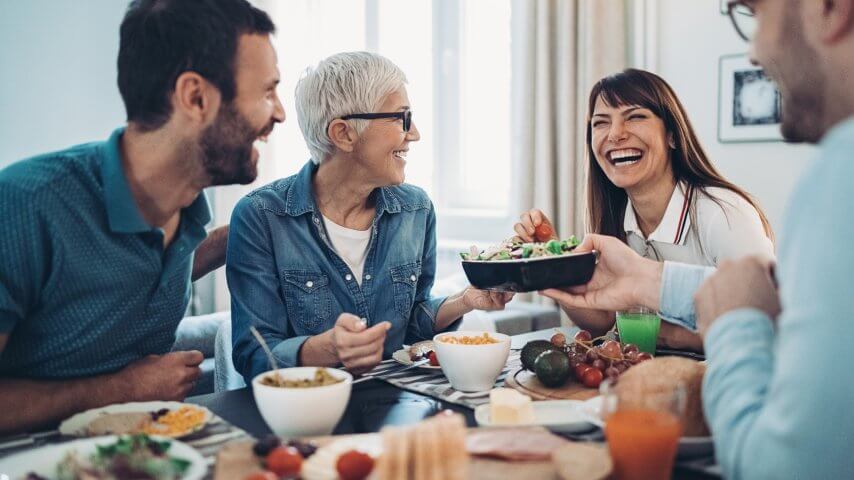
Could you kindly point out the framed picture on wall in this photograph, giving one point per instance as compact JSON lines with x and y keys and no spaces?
{"x":749,"y":107}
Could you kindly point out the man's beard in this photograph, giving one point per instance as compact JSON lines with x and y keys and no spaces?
{"x":802,"y":84}
{"x":226,"y":148}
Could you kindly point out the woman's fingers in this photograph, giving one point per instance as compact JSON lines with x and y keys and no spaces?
{"x":522,"y":232}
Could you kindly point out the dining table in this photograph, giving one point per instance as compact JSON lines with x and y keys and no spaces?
{"x":373,"y":404}
{"x":376,"y":403}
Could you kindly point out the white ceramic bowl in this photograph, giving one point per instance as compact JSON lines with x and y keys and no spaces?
{"x":302,"y":412}
{"x":472,"y":368}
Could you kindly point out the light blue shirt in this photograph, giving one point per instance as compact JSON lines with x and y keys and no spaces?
{"x":779,"y":406}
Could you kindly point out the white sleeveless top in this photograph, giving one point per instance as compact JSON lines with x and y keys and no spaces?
{"x":727,"y":229}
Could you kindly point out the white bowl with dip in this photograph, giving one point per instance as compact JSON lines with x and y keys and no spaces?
{"x":472,"y":368}
{"x":302,"y":412}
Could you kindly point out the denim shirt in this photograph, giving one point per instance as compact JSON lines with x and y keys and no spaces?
{"x":287,"y":280}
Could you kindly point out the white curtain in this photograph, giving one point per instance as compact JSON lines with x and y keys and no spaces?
{"x":560,"y":49}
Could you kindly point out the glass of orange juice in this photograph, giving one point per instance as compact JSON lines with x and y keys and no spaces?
{"x":643,"y":433}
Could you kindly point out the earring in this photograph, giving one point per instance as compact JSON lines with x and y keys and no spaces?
{"x":672,"y":144}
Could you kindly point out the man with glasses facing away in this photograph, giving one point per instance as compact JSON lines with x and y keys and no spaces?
{"x":98,"y":240}
{"x":777,"y":391}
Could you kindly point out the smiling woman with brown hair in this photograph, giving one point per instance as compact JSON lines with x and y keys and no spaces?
{"x":651,"y":184}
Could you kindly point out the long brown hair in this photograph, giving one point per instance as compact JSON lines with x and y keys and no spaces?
{"x":606,"y":202}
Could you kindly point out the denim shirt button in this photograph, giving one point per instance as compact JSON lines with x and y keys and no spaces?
{"x":316,"y":220}
{"x":368,"y":276}
{"x":309,"y":284}
{"x":348,"y":277}
{"x":413,"y":278}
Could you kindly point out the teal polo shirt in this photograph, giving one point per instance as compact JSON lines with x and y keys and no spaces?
{"x":86,"y":286}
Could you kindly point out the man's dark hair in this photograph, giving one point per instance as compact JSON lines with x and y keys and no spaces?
{"x":161,"y":39}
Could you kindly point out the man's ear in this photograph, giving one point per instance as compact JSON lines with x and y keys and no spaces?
{"x":196,"y":98}
{"x":342,"y":135}
{"x":835,"y":18}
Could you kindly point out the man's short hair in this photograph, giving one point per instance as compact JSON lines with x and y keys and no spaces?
{"x":161,"y":39}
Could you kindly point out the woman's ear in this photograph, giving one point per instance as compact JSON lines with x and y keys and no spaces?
{"x":671,"y":142}
{"x":342,"y":135}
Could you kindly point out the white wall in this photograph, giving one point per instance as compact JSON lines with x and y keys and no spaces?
{"x":688,"y":38}
{"x":57,"y":74}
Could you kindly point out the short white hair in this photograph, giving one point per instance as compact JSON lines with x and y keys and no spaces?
{"x":345,"y":83}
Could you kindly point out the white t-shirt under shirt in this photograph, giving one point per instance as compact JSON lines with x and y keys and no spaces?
{"x":725,"y":229}
{"x":351,"y":246}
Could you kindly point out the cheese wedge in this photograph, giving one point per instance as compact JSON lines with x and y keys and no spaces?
{"x":509,"y":407}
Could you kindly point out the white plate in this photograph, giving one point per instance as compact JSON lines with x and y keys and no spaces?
{"x":76,"y":425}
{"x":321,"y":465}
{"x":689,"y":447}
{"x":43,"y":461}
{"x":402,"y":355}
{"x":556,"y":415}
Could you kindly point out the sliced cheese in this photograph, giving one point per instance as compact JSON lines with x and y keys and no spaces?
{"x":509,"y":407}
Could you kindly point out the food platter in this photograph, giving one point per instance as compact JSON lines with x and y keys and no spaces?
{"x":78,"y":425}
{"x":564,"y":416}
{"x":43,"y":461}
{"x":403,"y":356}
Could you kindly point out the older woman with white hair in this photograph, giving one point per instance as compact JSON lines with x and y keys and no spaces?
{"x":334,"y":265}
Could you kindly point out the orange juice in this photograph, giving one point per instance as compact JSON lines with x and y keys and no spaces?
{"x":642,"y":443}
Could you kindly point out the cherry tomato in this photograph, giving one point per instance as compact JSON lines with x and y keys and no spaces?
{"x":592,"y":378}
{"x":354,"y":465}
{"x":434,"y":360}
{"x":543,"y":232}
{"x":284,"y":461}
{"x":265,"y":475}
{"x":580,"y":370}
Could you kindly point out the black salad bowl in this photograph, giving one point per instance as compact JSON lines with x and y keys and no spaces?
{"x":531,"y":274}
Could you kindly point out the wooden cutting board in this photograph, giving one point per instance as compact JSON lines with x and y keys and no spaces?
{"x":236,"y":461}
{"x":527,"y":383}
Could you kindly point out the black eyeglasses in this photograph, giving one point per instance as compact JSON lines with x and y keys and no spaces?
{"x":405,"y":115}
{"x":741,"y":13}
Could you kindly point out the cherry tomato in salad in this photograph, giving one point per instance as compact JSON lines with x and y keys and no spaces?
{"x":284,"y":461}
{"x":543,"y":232}
{"x":434,"y":360}
{"x":354,"y":465}
{"x":592,"y":378}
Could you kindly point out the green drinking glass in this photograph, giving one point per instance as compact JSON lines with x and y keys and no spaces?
{"x":639,"y":325}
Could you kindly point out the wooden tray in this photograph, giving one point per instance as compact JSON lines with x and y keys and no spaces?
{"x":527,"y":383}
{"x":236,"y":461}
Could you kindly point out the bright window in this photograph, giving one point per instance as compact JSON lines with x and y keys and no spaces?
{"x":456,"y":56}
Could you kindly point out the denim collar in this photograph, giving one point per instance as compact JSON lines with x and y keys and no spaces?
{"x":122,"y":212}
{"x":301,"y":195}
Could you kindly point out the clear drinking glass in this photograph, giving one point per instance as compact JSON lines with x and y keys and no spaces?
{"x":643,"y":429}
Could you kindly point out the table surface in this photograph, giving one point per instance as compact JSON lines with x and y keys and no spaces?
{"x":373,"y":403}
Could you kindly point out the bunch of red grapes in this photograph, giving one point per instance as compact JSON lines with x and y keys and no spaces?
{"x":591,"y":362}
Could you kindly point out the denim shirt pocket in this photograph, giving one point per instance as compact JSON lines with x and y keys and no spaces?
{"x":405,"y":280}
{"x":308,"y":299}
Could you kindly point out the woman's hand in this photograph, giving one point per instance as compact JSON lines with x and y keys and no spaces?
{"x":476,"y":299}
{"x":358,"y":347}
{"x":535,"y":226}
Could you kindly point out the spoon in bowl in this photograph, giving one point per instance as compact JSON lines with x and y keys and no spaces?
{"x":273,"y":365}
